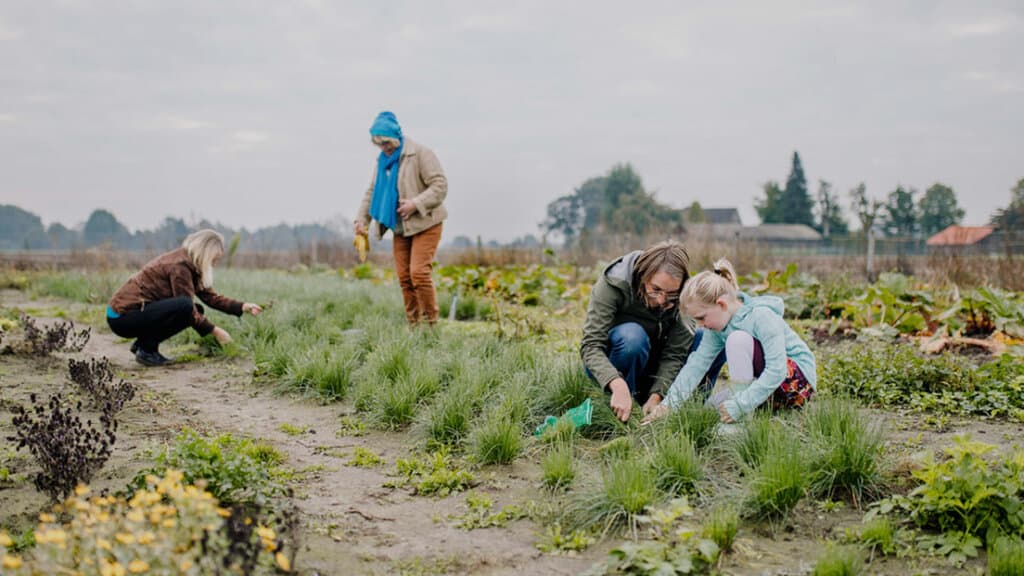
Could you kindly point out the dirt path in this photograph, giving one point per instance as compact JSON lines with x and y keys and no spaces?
{"x":351,"y":523}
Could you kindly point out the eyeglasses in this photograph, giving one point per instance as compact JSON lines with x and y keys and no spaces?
{"x":657,"y":293}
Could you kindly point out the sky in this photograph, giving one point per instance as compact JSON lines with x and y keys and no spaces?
{"x":255,"y":112}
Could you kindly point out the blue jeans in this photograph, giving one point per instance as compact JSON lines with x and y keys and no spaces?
{"x":630,"y":349}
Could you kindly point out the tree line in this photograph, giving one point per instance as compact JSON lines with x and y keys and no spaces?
{"x":23,"y":230}
{"x":618,"y":204}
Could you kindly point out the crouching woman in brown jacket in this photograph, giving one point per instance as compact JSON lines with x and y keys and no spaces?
{"x":156,"y":303}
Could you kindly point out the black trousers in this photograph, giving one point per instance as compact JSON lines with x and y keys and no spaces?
{"x":156,"y":322}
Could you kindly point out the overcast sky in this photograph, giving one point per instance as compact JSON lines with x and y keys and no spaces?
{"x":253,"y":113}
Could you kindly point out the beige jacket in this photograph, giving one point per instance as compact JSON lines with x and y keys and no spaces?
{"x":420,"y":179}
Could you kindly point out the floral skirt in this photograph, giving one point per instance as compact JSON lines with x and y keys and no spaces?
{"x":794,"y":391}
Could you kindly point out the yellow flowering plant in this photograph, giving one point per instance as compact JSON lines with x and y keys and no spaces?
{"x":166,"y":528}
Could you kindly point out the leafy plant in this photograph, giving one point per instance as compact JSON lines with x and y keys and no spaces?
{"x":96,"y":379}
{"x":68,"y":450}
{"x":554,"y":541}
{"x":436,"y":474}
{"x":364,"y":458}
{"x":479,"y":515}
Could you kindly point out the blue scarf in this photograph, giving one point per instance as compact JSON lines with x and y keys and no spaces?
{"x":384,"y":204}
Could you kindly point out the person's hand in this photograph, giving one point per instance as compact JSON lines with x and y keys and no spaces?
{"x":622,"y":400}
{"x":221,"y":335}
{"x":406,"y":208}
{"x":724,"y":414}
{"x":361,"y":228}
{"x":655,"y":413}
{"x":251,"y":308}
{"x":652,"y":402}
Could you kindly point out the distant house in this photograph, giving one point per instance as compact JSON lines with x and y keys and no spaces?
{"x":716,"y":215}
{"x":974,"y":238}
{"x":778,"y":234}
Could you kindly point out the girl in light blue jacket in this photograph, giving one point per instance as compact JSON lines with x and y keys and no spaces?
{"x":768,"y":362}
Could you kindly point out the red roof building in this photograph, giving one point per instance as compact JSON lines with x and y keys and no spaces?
{"x":955,"y":235}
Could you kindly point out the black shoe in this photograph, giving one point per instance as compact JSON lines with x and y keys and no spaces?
{"x":135,"y":346}
{"x":149,"y":358}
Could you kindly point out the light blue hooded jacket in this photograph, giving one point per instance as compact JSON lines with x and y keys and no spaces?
{"x":761,"y":317}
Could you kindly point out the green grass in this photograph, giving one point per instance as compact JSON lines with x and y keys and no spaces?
{"x":1006,"y":556}
{"x":677,"y":466}
{"x":721,"y":526}
{"x":847,"y":450}
{"x":780,"y":480}
{"x":558,"y":466}
{"x":691,"y":419}
{"x":626,"y":488}
{"x":497,"y":439}
{"x":839,"y":561}
{"x":756,"y":433}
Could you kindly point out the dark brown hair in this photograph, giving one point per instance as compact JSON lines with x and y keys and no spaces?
{"x":669,"y":257}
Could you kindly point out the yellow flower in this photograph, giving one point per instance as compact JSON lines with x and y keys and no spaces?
{"x":112,"y":569}
{"x":146,"y":537}
{"x":282,"y":562}
{"x":168,"y":523}
{"x":11,"y":562}
{"x":125,"y":538}
{"x":137,"y":566}
{"x":103,"y":544}
{"x":266,"y":533}
{"x":223,"y":512}
{"x":55,"y":536}
{"x":5,"y":540}
{"x":185,"y":565}
{"x":48,"y":518}
{"x":135,"y":516}
{"x":81,"y":490}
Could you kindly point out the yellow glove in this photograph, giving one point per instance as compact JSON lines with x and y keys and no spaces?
{"x":362,"y":244}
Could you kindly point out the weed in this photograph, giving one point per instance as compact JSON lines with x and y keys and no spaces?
{"x":569,"y":387}
{"x":293,"y":430}
{"x":394,"y":405}
{"x":1006,"y":556}
{"x":364,"y":458}
{"x":437,"y":474}
{"x":562,"y":431}
{"x":756,"y":434}
{"x":558,"y":466}
{"x":839,"y":561}
{"x":447,"y":422}
{"x":880,"y":535}
{"x":67,"y":450}
{"x":58,"y":337}
{"x":616,"y":449}
{"x":351,"y":426}
{"x":479,"y":513}
{"x":677,"y":466}
{"x":555,"y":542}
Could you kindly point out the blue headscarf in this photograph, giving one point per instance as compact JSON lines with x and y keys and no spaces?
{"x":384,"y":204}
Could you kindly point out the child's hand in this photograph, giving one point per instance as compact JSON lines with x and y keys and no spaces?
{"x":655,"y":413}
{"x":653,"y":402}
{"x":724,"y":414}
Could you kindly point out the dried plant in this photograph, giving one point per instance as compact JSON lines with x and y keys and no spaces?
{"x":95,"y":378}
{"x":59,"y":337}
{"x":68,"y":450}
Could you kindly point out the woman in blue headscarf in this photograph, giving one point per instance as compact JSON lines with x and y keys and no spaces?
{"x":406,"y":196}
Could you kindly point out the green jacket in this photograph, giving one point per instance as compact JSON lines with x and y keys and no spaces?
{"x":614,"y":301}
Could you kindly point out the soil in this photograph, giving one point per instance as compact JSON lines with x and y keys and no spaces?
{"x":351,"y":523}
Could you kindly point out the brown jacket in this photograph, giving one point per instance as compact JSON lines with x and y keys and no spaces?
{"x":420,"y":179}
{"x":170,"y":275}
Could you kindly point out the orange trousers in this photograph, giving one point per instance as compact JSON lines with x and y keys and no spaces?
{"x":414,"y":259}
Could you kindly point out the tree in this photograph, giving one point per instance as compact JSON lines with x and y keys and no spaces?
{"x":61,"y":237}
{"x":769,"y":209}
{"x":900,"y":213}
{"x":796,"y":203}
{"x":1011,"y":218}
{"x":102,"y":227}
{"x":20,"y":229}
{"x":830,"y":213}
{"x":615,"y":203}
{"x":694,"y":214}
{"x":938,"y":209}
{"x":867,"y":212}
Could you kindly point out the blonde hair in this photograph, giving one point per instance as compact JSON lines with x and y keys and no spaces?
{"x":711,"y":285}
{"x":380,"y":140}
{"x":203,"y":246}
{"x":669,"y":257}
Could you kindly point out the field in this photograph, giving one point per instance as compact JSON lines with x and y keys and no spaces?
{"x":334,"y":440}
